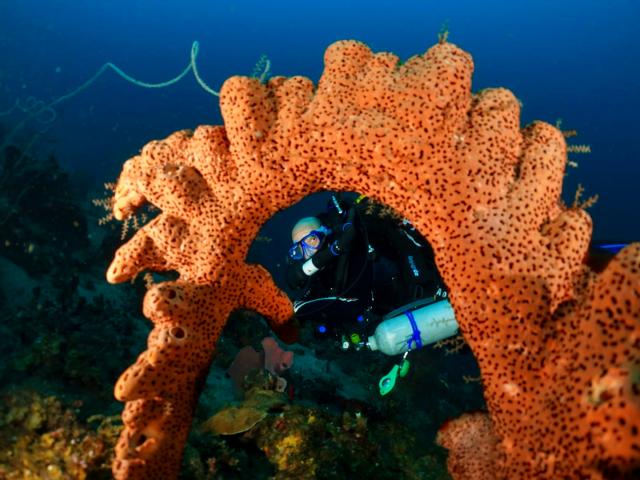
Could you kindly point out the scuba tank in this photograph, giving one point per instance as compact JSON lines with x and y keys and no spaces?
{"x":414,"y":326}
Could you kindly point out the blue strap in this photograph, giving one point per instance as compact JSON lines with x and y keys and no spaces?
{"x":415,"y":336}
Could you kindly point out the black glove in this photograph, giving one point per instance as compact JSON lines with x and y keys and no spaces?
{"x":324,"y":257}
{"x":297,"y":277}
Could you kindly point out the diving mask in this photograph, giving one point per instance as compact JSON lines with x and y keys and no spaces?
{"x":309,"y":244}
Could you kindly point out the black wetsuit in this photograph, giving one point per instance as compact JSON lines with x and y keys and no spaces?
{"x":383,"y":264}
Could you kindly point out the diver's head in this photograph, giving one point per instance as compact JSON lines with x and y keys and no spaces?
{"x":308,"y":236}
{"x":303,"y":227}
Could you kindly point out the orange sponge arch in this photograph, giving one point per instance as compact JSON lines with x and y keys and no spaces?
{"x":558,"y":346}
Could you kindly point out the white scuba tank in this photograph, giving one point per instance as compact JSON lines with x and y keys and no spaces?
{"x":433,"y":322}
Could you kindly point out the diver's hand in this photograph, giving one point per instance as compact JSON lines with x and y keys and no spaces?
{"x":300,"y":273}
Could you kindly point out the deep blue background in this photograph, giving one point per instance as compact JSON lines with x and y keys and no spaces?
{"x":575,"y":60}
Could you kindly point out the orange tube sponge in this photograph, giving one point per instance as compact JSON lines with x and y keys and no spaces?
{"x":558,"y":346}
{"x":472,"y":446}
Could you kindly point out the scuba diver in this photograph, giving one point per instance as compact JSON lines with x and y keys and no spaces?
{"x":368,"y":279}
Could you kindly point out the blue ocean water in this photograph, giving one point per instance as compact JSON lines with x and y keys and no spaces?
{"x":571,"y":60}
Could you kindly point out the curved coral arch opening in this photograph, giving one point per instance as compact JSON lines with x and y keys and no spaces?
{"x":558,"y":345}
